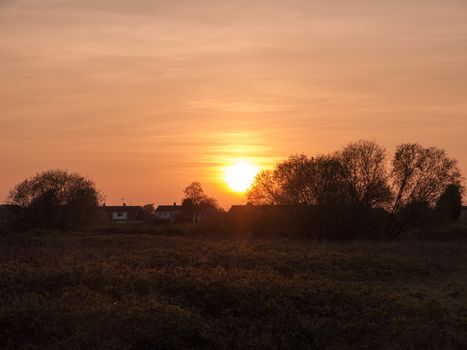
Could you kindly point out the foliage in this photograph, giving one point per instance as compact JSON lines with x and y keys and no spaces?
{"x":194,"y":193}
{"x":57,"y":199}
{"x":139,"y":291}
{"x":299,"y":180}
{"x":265,"y":189}
{"x":365,"y":173}
{"x":349,"y":190}
{"x":419,"y":177}
{"x":148,"y":211}
{"x":449,"y":205}
{"x":196,"y":203}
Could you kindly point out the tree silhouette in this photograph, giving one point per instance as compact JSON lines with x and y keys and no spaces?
{"x":365,"y":173}
{"x":196,"y":203}
{"x":352,"y":189}
{"x":449,"y":205}
{"x":57,"y":199}
{"x":419,"y":177}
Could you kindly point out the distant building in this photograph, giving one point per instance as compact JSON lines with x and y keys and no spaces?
{"x":168,"y":212}
{"x":124,"y":213}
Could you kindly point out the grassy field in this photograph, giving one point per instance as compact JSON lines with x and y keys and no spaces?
{"x":143,"y":291}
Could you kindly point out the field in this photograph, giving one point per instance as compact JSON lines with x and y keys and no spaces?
{"x":143,"y":291}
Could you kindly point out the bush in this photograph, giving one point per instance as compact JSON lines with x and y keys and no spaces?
{"x":449,"y":232}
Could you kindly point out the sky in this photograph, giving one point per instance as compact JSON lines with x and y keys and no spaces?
{"x":145,"y":96}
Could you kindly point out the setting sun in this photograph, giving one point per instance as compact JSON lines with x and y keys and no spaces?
{"x":240,"y":175}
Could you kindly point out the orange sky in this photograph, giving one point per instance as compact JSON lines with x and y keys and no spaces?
{"x":145,"y":96}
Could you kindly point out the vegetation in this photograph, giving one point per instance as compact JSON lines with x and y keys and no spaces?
{"x":55,"y":199}
{"x":196,"y":203}
{"x":138,"y":291}
{"x":352,"y":193}
{"x":449,"y":205}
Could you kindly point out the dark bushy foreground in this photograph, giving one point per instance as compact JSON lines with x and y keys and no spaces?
{"x":140,"y":291}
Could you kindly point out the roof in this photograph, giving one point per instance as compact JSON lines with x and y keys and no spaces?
{"x":121,"y":208}
{"x":169,"y":208}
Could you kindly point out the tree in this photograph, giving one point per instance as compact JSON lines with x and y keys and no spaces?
{"x":195,"y":193}
{"x":299,"y":180}
{"x":365,"y":174}
{"x":419,"y":176}
{"x":57,"y":199}
{"x":449,"y":205}
{"x":264,"y":189}
{"x":196,"y":203}
{"x":148,"y":211}
{"x":209,"y":204}
{"x":352,"y":194}
{"x":327,"y":182}
{"x":313,"y":191}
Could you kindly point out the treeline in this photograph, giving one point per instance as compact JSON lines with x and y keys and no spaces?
{"x":357,"y":192}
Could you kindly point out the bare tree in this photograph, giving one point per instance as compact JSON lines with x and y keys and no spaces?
{"x":419,"y":177}
{"x":327,"y":182}
{"x":294,"y":176}
{"x":422,"y":174}
{"x":365,"y":174}
{"x":195,"y":193}
{"x":196,"y":203}
{"x":354,"y":188}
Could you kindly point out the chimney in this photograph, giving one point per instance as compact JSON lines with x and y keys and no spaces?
{"x":175,"y":204}
{"x":124,"y":204}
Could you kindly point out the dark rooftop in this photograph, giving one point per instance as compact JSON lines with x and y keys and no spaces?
{"x":169,"y":208}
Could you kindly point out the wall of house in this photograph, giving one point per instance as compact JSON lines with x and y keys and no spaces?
{"x":163,"y":215}
{"x":167,"y":215}
{"x":119,"y":216}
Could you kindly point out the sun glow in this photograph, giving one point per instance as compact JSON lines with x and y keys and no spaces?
{"x":240,"y":175}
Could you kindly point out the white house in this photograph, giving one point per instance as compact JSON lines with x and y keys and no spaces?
{"x":124,"y":213}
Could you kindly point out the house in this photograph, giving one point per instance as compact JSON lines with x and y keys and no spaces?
{"x":124,"y":213}
{"x":168,"y":212}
